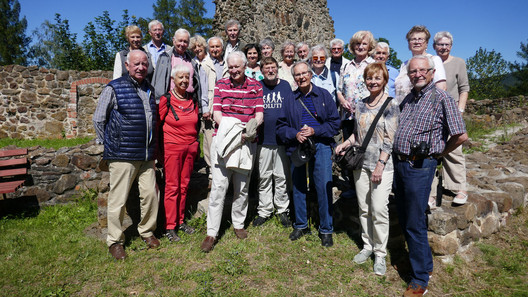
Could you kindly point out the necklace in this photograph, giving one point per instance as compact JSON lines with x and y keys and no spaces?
{"x":178,"y":96}
{"x":379,"y":99}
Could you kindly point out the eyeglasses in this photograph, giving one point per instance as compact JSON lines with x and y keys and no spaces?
{"x":337,"y":49}
{"x":417,"y":40}
{"x":318,"y":59}
{"x":299,"y":75}
{"x":443,"y":44}
{"x":419,"y":72}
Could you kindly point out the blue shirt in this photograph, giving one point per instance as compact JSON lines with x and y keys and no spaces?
{"x":324,"y":80}
{"x":273,"y":100}
{"x":393,"y":73}
{"x":155,"y":52}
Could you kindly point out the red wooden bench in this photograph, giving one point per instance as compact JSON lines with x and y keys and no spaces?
{"x":13,"y":170}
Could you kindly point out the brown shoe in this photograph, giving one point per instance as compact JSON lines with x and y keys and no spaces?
{"x":415,"y":290}
{"x":241,"y":233}
{"x":208,"y":244}
{"x":152,"y":242}
{"x":117,"y":251}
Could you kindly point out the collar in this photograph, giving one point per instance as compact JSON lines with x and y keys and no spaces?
{"x":242,"y":86}
{"x":185,"y":56}
{"x":313,"y":92}
{"x":425,"y":90}
{"x":151,"y":44}
{"x":323,"y":75}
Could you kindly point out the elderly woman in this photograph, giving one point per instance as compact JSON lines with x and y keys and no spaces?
{"x":454,"y":164}
{"x":288,"y":56}
{"x":179,"y":117}
{"x":374,"y":181}
{"x":418,"y":39}
{"x":321,"y":74}
{"x":134,"y":38}
{"x":252,"y":52}
{"x":351,"y":86}
{"x":267,"y":47}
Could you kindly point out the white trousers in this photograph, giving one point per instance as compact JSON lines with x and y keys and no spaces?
{"x":373,"y":200}
{"x":273,"y":166}
{"x":220,"y":182}
{"x":122,"y":174}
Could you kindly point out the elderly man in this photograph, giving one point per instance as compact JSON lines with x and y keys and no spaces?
{"x":312,"y":114}
{"x":162,"y":80}
{"x":237,"y":105}
{"x":125,"y":122}
{"x":302,"y":49}
{"x":381,"y":54}
{"x":429,"y":115}
{"x":334,"y":64}
{"x":232,"y":29}
{"x":156,"y":46}
{"x":272,"y":159}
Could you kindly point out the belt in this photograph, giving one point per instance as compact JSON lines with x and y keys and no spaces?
{"x":414,"y":158}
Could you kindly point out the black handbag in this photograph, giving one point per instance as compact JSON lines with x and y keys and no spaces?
{"x":354,"y":155}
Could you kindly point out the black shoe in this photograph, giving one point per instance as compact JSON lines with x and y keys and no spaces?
{"x":298,"y":233}
{"x":172,"y":236}
{"x":326,"y":240}
{"x":284,"y":219}
{"x":186,"y":228}
{"x":259,"y":221}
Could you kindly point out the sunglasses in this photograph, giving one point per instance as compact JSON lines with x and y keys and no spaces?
{"x":318,"y":59}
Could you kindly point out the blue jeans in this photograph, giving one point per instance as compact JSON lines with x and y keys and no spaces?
{"x":412,"y":184}
{"x":320,"y":170}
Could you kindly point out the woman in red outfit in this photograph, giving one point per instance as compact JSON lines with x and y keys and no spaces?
{"x":180,"y":143}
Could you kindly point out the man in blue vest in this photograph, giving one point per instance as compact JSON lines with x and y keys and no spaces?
{"x":125,"y":122}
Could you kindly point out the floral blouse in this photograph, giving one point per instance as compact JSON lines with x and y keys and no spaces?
{"x":351,"y":83}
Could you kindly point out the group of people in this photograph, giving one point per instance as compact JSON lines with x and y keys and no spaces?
{"x":283,"y":119}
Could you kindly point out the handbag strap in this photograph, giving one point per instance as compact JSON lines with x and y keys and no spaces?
{"x":374,"y":123}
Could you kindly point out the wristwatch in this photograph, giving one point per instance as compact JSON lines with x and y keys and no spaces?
{"x":382,"y":162}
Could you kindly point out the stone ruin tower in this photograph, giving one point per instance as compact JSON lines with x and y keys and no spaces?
{"x":296,"y":20}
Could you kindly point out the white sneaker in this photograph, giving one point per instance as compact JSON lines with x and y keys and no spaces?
{"x":460,"y":198}
{"x":432,"y":203}
{"x":379,"y":265}
{"x":362,"y":256}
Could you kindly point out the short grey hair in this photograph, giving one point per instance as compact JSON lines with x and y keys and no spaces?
{"x":182,"y":31}
{"x":318,"y":48}
{"x":267,"y":42}
{"x":231,"y":23}
{"x":238,"y":54}
{"x":180,"y":68}
{"x":383,"y":45}
{"x":441,"y":35}
{"x":154,"y":23}
{"x":337,"y":41}
{"x":135,"y":51}
{"x":422,"y":57}
{"x":285,"y":44}
{"x":301,"y":44}
{"x":217,"y":38}
{"x":299,"y":63}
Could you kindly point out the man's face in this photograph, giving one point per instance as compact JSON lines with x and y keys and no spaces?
{"x":270,"y":71}
{"x":381,"y":54}
{"x":302,"y":53}
{"x":215,"y":49}
{"x":236,"y":69}
{"x":137,"y":66}
{"x":337,"y":51}
{"x":302,"y":76}
{"x":232,"y":33}
{"x":181,"y":42}
{"x":156,"y":32}
{"x":420,"y":73}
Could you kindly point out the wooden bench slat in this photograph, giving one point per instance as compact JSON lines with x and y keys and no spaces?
{"x":11,"y":162}
{"x":9,"y":187}
{"x":15,"y":152}
{"x":11,"y":172}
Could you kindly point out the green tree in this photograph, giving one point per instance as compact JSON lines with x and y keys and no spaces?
{"x":519,"y":72}
{"x":14,"y":45}
{"x":165,"y":11}
{"x":56,"y":47}
{"x":191,"y":14}
{"x":486,"y":70}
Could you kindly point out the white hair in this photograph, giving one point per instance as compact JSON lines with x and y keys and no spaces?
{"x":441,"y":35}
{"x":337,"y":41}
{"x":180,"y":68}
{"x":217,"y":38}
{"x":383,"y":45}
{"x":238,"y":54}
{"x":318,"y":48}
{"x":182,"y":31}
{"x":422,"y":57}
{"x":135,"y":51}
{"x":155,"y":23}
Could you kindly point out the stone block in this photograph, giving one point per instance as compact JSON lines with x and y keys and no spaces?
{"x":465,"y":214}
{"x":469,"y":235}
{"x":489,"y":225}
{"x":65,"y":182}
{"x":503,"y":200}
{"x":28,"y":97}
{"x":54,"y":128}
{"x":41,"y":194}
{"x":483,"y":205}
{"x":516,"y":192}
{"x":61,"y":160}
{"x":444,"y":245}
{"x":84,"y":162}
{"x":104,"y":183}
{"x":442,"y":223}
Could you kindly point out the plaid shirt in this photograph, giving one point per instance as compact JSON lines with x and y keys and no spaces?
{"x":425,"y":119}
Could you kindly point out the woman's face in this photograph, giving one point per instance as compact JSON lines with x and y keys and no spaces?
{"x":199,"y":51}
{"x":417,"y":43}
{"x":252,"y":56}
{"x":375,"y":82}
{"x":181,"y":81}
{"x":361,"y":48}
{"x":443,"y":47}
{"x":289,"y":54}
{"x":266,"y":51}
{"x":134,"y":40}
{"x":318,"y":60}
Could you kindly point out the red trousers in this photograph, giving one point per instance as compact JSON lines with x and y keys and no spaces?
{"x":179,"y":162}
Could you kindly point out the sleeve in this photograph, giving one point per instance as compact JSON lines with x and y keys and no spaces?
{"x":440,"y":73}
{"x":162,"y":109}
{"x":105,"y":104}
{"x":205,"y":90}
{"x":330,"y":127}
{"x":286,"y":132}
{"x":117,"y":66}
{"x":259,"y":104}
{"x":463,"y":81}
{"x":453,"y":117}
{"x":391,"y":124}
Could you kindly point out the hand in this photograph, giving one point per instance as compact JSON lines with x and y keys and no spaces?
{"x":340,"y":149}
{"x":346,"y":105}
{"x":206,"y":115}
{"x":244,"y":136}
{"x":307,"y":131}
{"x":376,"y":174}
{"x":300,"y":138}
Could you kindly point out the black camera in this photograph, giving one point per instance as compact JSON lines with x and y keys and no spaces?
{"x":420,"y":149}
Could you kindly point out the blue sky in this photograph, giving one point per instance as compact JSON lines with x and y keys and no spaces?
{"x":492,"y":25}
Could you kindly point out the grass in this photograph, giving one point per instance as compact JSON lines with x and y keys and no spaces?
{"x":47,"y":143}
{"x":50,"y":254}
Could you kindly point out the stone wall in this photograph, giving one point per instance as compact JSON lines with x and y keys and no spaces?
{"x":296,"y":20}
{"x":48,"y":103}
